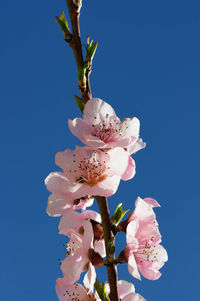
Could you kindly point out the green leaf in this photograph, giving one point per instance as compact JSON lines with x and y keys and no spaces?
{"x":100,"y":288}
{"x":80,"y":103}
{"x":63,"y":23}
{"x":118,"y":215}
{"x":90,"y":49}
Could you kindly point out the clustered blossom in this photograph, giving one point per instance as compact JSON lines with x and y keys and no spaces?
{"x":143,"y":250}
{"x":126,"y":291}
{"x":96,"y":170}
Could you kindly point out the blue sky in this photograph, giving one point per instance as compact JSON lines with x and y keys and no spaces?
{"x":147,"y":65}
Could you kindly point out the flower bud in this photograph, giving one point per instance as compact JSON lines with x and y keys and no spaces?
{"x":97,"y":229}
{"x":95,"y":258}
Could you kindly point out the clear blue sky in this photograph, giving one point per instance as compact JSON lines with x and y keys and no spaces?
{"x":147,"y":65}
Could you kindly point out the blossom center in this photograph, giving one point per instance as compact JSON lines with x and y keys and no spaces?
{"x":110,"y":129}
{"x":147,"y":252}
{"x":89,"y":170}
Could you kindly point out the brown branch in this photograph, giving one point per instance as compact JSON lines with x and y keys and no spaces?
{"x":75,"y":43}
{"x":111,"y":267}
{"x":76,"y":46}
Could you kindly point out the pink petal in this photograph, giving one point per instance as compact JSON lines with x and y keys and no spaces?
{"x":106,"y":187}
{"x":74,"y":265}
{"x":143,"y":210}
{"x":66,"y":291}
{"x":150,"y":273}
{"x":70,"y":220}
{"x":90,"y":214}
{"x":132,"y":267}
{"x":118,"y":161}
{"x":57,"y":205}
{"x":88,"y":235}
{"x":151,"y":202}
{"x":99,"y":247}
{"x":133,"y":297}
{"x":124,"y":288}
{"x":130,"y":171}
{"x":123,"y":142}
{"x":93,"y":142}
{"x":157,"y":258}
{"x":96,"y":110}
{"x":132,"y":242}
{"x":135,"y":146}
{"x":131,"y":127}
{"x":90,"y":278}
{"x":64,"y":160}
{"x":57,"y":183}
{"x":79,"y":128}
{"x":74,"y":220}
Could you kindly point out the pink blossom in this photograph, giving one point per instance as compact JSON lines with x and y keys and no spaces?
{"x":143,"y":250}
{"x":71,"y":225}
{"x":126,"y":291}
{"x":101,"y":128}
{"x":59,"y":204}
{"x":88,"y":172}
{"x":78,"y":261}
{"x":73,"y":221}
{"x":66,"y":292}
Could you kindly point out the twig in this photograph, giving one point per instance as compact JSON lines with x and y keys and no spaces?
{"x":107,"y":228}
{"x":76,"y":46}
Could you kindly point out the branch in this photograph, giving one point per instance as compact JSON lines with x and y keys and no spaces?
{"x":75,"y":44}
{"x":108,"y":236}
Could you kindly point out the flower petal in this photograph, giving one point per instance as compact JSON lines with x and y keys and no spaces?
{"x":59,"y":184}
{"x":96,"y":110}
{"x":99,"y":247}
{"x":57,"y":205}
{"x":65,"y":291}
{"x":118,"y":161}
{"x":90,"y":278}
{"x":74,"y":220}
{"x":151,"y":202}
{"x":132,"y":242}
{"x":130,"y":171}
{"x":133,"y":297}
{"x":135,"y":146}
{"x":131,"y":127}
{"x":74,"y":265}
{"x":106,"y":187}
{"x":79,"y":128}
{"x":124,"y":288}
{"x":132,"y":267}
{"x":88,"y":236}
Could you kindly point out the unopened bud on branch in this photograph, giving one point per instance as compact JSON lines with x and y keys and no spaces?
{"x":64,"y":26}
{"x":78,"y":5}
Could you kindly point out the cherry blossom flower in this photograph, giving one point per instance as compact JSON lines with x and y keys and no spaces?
{"x":73,"y":221}
{"x":143,"y":251}
{"x":101,"y":128}
{"x":59,"y":204}
{"x":65,"y":292}
{"x":71,"y":225}
{"x":79,"y":260}
{"x":126,"y":291}
{"x":88,"y":172}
